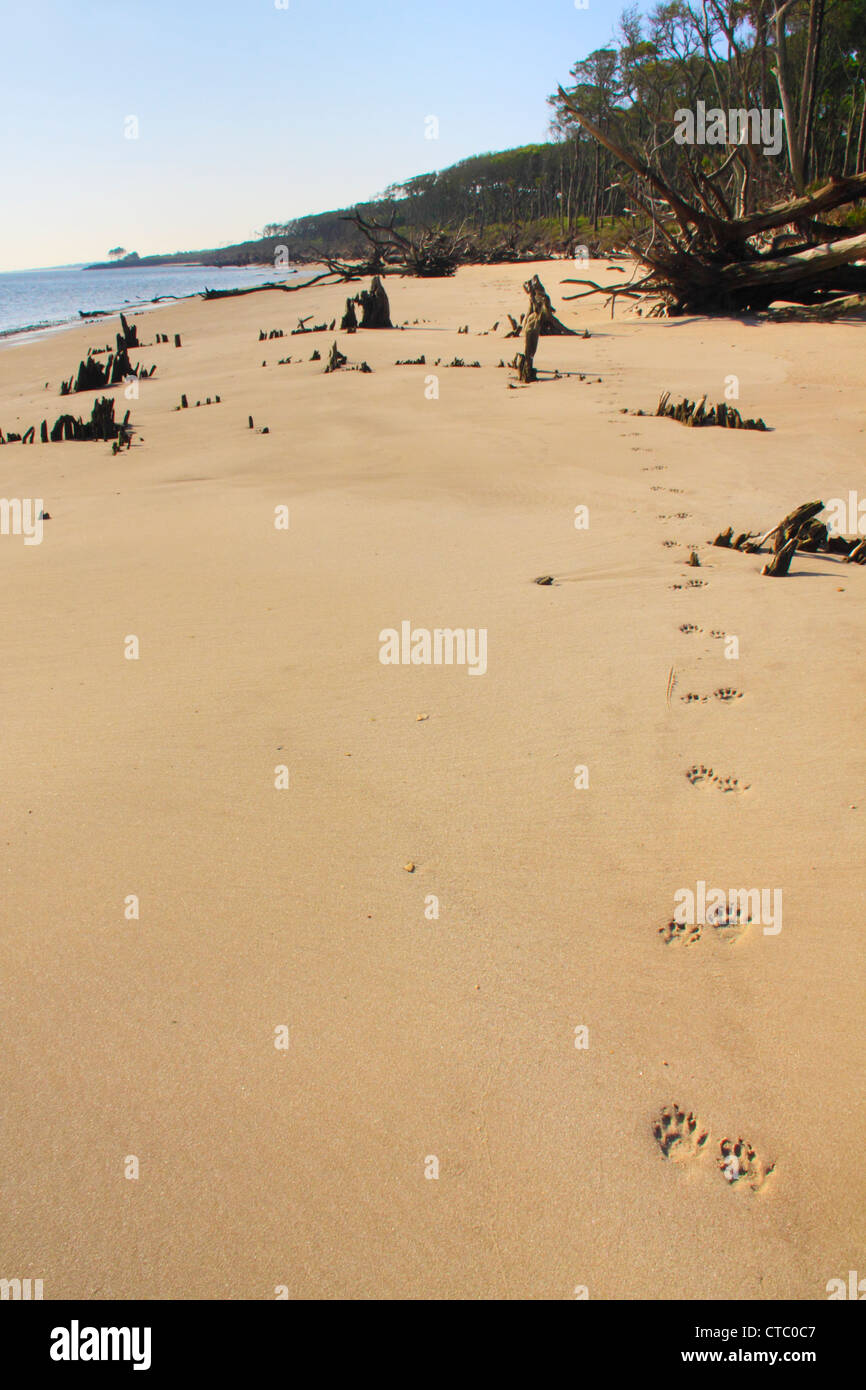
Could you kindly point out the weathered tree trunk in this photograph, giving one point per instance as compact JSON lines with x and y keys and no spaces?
{"x":525,"y":361}
{"x":336,"y":360}
{"x":549,"y":324}
{"x":349,"y":323}
{"x":780,"y":564}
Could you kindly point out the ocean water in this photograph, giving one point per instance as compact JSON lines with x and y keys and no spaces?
{"x":43,"y":298}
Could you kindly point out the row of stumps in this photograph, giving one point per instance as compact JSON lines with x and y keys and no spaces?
{"x":101,"y":425}
{"x":694,"y":414}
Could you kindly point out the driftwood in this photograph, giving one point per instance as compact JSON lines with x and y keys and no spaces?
{"x":540,"y":322}
{"x":849,"y":306}
{"x":302,"y":327}
{"x":525,"y":360}
{"x":780,"y":564}
{"x":789,"y":526}
{"x":799,"y":530}
{"x":426,"y":253}
{"x":540,"y":305}
{"x":693,"y":414}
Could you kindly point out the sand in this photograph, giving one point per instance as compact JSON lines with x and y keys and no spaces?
{"x":411,"y":1038}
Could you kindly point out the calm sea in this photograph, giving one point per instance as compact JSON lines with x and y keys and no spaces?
{"x":43,"y":298}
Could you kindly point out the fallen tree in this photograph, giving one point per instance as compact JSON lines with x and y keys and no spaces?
{"x":699,"y":258}
{"x":802,"y":529}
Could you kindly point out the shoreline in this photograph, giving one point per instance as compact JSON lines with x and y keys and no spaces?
{"x":34,"y":331}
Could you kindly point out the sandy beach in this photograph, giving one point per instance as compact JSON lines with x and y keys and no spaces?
{"x":435,"y":1126}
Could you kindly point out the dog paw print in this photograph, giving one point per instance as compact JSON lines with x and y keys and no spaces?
{"x":727,"y":693}
{"x":740,"y":1164}
{"x":680,"y":933}
{"x":690,"y":628}
{"x":729,"y":922}
{"x":678,"y":1134}
{"x":699,"y":775}
{"x":692,"y":699}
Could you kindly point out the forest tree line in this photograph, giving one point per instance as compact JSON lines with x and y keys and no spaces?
{"x":803,"y":58}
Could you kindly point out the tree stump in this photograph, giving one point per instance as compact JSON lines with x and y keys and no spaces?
{"x":376,"y":311}
{"x":336,"y":360}
{"x":780,"y":564}
{"x":129,"y":337}
{"x":525,"y":360}
{"x":349,"y":323}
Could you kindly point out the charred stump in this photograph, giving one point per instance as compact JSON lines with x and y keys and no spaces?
{"x":349,"y":323}
{"x":128,"y":338}
{"x":375,"y":309}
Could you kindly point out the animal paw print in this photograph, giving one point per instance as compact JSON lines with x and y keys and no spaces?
{"x":726,"y":693}
{"x":689,"y":628}
{"x":654,"y":468}
{"x":717,"y":633}
{"x":682,"y":516}
{"x":740,"y":1164}
{"x":656,"y":487}
{"x":692,"y":699}
{"x":696,"y":584}
{"x":680,"y":933}
{"x":729,"y":922}
{"x":699,"y":775}
{"x":678,"y":1135}
{"x":668,"y":545}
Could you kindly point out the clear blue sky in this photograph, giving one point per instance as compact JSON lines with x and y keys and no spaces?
{"x":249,"y":113}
